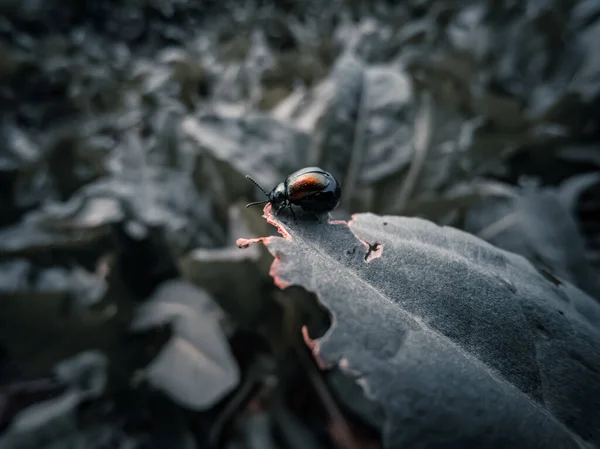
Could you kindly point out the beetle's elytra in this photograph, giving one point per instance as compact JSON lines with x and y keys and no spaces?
{"x":312,"y":188}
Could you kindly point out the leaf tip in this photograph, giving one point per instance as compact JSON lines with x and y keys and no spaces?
{"x":245,"y":243}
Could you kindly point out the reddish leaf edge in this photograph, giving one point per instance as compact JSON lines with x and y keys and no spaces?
{"x":268,"y":215}
{"x":372,"y":251}
{"x":243,"y":243}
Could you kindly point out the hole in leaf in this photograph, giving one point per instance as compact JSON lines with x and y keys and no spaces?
{"x":373,"y":252}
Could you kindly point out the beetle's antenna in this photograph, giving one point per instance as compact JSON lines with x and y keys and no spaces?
{"x":257,"y":184}
{"x":257,"y":203}
{"x":263,"y":191}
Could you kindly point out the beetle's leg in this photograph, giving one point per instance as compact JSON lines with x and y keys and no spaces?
{"x":292,"y":210}
{"x":317,"y":217}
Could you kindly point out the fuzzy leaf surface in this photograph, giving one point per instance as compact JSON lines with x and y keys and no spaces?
{"x":463,"y":344}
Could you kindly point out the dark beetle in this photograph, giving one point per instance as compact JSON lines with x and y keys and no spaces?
{"x":311,"y":188}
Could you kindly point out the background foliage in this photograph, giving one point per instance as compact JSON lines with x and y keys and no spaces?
{"x":129,"y":318}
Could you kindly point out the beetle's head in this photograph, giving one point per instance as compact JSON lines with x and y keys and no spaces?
{"x":278,"y":194}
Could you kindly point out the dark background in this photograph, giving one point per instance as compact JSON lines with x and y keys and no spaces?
{"x":127,"y":128}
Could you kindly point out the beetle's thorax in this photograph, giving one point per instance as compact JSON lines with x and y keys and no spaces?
{"x":278,"y":194}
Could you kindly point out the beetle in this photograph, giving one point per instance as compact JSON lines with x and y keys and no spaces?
{"x":312,"y":188}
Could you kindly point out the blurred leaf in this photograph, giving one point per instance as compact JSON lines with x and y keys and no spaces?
{"x":335,"y":132}
{"x":24,"y":180}
{"x":361,"y":119}
{"x":165,"y":198}
{"x":152,"y":196}
{"x":587,"y":76}
{"x":50,"y":312}
{"x":389,"y":111}
{"x":208,"y":268}
{"x":85,"y":372}
{"x":195,"y":367}
{"x":39,"y":230}
{"x":584,"y":154}
{"x":41,"y":424}
{"x":572,"y":188}
{"x":256,"y":145}
{"x":375,"y":41}
{"x":19,"y":277}
{"x":305,"y":107}
{"x":458,"y":198}
{"x":84,"y":416}
{"x":450,"y":305}
{"x":538,"y":226}
{"x":437,"y":151}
